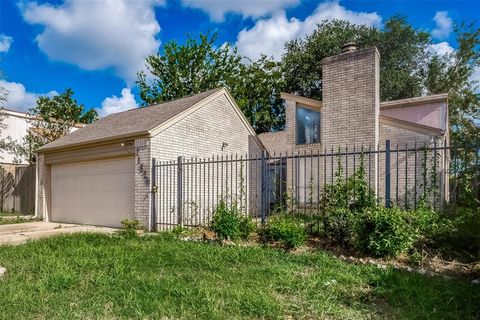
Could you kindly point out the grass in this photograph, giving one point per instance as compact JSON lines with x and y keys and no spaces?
{"x":12,"y":218}
{"x":102,"y":276}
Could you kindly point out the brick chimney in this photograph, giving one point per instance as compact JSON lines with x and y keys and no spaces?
{"x":351,"y":97}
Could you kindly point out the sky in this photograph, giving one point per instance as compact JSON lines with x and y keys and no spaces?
{"x":97,"y":47}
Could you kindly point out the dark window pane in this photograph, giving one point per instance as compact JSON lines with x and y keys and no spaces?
{"x":308,"y":126}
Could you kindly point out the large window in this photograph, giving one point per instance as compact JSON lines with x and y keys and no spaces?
{"x":308,"y":126}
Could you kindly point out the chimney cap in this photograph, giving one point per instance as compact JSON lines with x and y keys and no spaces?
{"x":350,"y":46}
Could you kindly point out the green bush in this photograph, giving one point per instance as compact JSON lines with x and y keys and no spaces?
{"x":247,"y":227}
{"x":130,"y":227}
{"x":458,"y":234}
{"x":384,"y":232}
{"x":426,"y":221}
{"x":352,"y":193}
{"x":284,"y":229}
{"x":339,"y":225}
{"x":229,"y":223}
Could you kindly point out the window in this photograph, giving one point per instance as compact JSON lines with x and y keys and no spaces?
{"x":308,"y":126}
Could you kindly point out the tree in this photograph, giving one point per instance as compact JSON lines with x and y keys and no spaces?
{"x":199,"y":65}
{"x":302,"y":59}
{"x":402,"y":50}
{"x":452,"y":73}
{"x":52,"y":118}
{"x":257,"y":92}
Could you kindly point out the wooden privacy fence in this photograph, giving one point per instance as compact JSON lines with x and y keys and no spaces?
{"x":17,"y":189}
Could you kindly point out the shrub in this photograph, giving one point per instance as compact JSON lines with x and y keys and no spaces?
{"x":130,"y":227}
{"x":247,"y":227}
{"x":339,"y":225}
{"x":426,"y":221}
{"x":229,"y":223}
{"x":458,"y":234}
{"x":284,"y":229}
{"x":352,"y":193}
{"x":384,"y":232}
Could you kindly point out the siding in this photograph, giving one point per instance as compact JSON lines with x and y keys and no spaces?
{"x":16,"y":127}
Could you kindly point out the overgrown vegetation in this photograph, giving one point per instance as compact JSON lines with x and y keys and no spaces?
{"x":96,"y":276}
{"x":14,"y":219}
{"x":229,"y":223}
{"x":383,"y":232}
{"x":129,"y":228}
{"x":285,"y":229}
{"x":349,"y":216}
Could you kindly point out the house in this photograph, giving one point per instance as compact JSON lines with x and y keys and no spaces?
{"x":351,"y":114}
{"x":102,"y":173}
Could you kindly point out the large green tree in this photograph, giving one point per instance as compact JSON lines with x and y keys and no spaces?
{"x":403,"y":52}
{"x":52,"y":118}
{"x":199,"y":65}
{"x":452,"y":74}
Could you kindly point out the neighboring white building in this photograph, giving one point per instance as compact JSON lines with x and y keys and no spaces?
{"x":16,"y":126}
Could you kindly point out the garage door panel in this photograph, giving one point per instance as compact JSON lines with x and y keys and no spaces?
{"x":97,"y":193}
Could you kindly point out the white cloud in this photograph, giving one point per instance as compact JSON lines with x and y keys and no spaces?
{"x":5,"y":42}
{"x":269,"y":35}
{"x":476,"y":76}
{"x":97,"y":35}
{"x":116,"y":104}
{"x":18,"y":98}
{"x":441,"y":49}
{"x":444,"y":25}
{"x":217,"y":9}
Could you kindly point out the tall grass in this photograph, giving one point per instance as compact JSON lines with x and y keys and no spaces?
{"x":103,"y":276}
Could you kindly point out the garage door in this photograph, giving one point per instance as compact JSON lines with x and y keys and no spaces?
{"x":97,"y":193}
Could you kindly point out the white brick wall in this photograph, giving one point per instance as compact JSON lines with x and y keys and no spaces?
{"x":143,"y":184}
{"x":201,"y":135}
{"x":410,"y":169}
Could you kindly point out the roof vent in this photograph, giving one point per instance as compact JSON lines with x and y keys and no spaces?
{"x":349,"y":47}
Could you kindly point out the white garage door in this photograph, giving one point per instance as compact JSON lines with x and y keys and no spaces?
{"x":97,"y":193}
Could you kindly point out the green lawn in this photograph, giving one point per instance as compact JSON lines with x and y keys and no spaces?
{"x":100,"y":276}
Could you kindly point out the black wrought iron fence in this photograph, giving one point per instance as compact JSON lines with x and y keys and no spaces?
{"x":187,"y":191}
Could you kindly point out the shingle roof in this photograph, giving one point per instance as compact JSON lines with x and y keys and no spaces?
{"x":129,"y":123}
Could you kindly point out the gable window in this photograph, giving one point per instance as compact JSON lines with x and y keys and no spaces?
{"x":307,"y":126}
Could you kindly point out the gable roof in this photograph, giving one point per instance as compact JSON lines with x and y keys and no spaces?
{"x":135,"y":122}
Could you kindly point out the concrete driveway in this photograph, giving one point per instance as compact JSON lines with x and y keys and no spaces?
{"x":22,"y":232}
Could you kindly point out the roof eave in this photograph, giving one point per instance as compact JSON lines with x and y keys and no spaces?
{"x":302,"y":100}
{"x":409,"y":102}
{"x":46,"y":149}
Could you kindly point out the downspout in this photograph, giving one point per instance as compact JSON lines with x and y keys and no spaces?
{"x":36,"y":187}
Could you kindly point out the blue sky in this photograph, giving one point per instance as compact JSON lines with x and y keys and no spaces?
{"x":96,"y":47}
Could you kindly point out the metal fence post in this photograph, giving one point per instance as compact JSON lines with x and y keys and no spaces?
{"x":387,"y":174}
{"x":153,"y":226}
{"x":179,"y":191}
{"x":264,"y":187}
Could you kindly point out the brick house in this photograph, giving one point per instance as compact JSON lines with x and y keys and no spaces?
{"x":351,"y":114}
{"x":101,"y":173}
